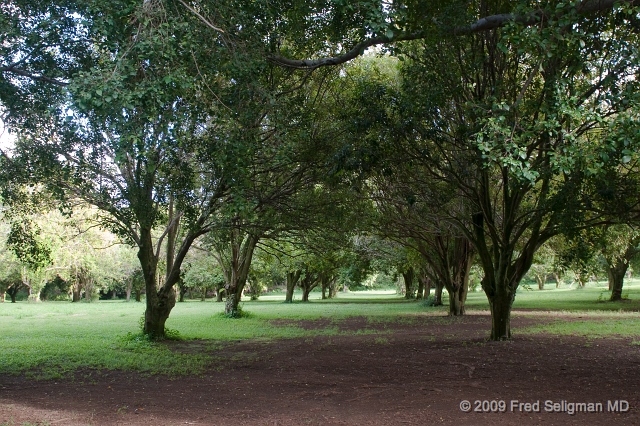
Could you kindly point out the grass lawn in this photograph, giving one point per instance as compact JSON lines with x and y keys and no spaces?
{"x":54,"y":339}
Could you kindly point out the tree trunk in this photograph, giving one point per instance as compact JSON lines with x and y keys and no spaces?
{"x":292,"y":280}
{"x":159,"y":302}
{"x":438,"y":294}
{"x":128,"y":290}
{"x":242,"y":249}
{"x":138,"y":295}
{"x":420,"y":294}
{"x":616,"y":279}
{"x":182,"y":291}
{"x":219,"y":294}
{"x":75,"y":292}
{"x":325,"y":282}
{"x":540,"y":279}
{"x":13,"y":292}
{"x":305,"y":294}
{"x":500,"y":305}
{"x":333,"y":288}
{"x":308,"y":283}
{"x":457,"y":298}
{"x":408,"y":276}
{"x":557,"y":277}
{"x":203,"y":296}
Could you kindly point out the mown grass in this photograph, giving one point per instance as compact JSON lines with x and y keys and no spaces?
{"x":58,"y":339}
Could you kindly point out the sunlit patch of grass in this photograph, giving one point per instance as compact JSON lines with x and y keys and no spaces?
{"x":593,"y":328}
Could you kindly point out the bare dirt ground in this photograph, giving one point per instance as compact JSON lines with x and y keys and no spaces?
{"x":402,"y":374}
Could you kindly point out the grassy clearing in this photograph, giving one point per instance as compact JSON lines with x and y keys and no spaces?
{"x":55,"y":339}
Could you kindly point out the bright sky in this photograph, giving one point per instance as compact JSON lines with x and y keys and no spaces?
{"x":6,"y":140}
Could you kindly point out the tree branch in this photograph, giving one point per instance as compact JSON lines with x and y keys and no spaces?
{"x":23,"y":73}
{"x":484,"y":24}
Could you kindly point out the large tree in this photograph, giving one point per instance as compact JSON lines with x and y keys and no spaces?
{"x":518,"y":132}
{"x":144,"y":132}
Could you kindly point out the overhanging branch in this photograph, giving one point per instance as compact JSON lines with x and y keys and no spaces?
{"x":484,"y":24}
{"x":32,"y":76}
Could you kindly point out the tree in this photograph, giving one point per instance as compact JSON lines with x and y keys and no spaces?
{"x":510,"y":129}
{"x":142,"y":133}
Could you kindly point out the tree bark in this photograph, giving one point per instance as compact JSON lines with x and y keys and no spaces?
{"x":159,"y":302}
{"x":457,"y":280}
{"x":558,"y":281}
{"x":308,"y":283}
{"x":305,"y":294}
{"x":540,"y":279}
{"x":420,"y":293}
{"x":292,"y":279}
{"x":408,"y":276}
{"x":616,"y":274}
{"x":242,"y":248}
{"x":219,"y":294}
{"x":76,"y":290}
{"x":438,"y":294}
{"x":333,"y":288}
{"x":13,"y":292}
{"x":500,"y":305}
{"x":457,"y":298}
{"x":325,"y":282}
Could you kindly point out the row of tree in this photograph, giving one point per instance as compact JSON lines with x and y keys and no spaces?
{"x":501,"y":126}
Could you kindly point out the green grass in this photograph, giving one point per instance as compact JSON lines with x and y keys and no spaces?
{"x":608,"y":327}
{"x":61,"y":339}
{"x":594,"y":297}
{"x":54,"y":339}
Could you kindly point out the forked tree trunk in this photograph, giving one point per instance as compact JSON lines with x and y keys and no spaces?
{"x":325,"y":282}
{"x":616,"y":279}
{"x":158,"y":302}
{"x":242,"y":248}
{"x":540,"y":279}
{"x":308,"y":283}
{"x":13,"y":292}
{"x":457,"y":275}
{"x":558,"y":281}
{"x":292,"y":279}
{"x":305,"y":294}
{"x":457,"y":299}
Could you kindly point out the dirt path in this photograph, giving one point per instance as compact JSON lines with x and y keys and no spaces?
{"x":405,"y":374}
